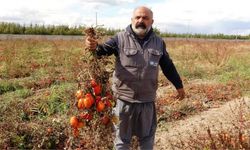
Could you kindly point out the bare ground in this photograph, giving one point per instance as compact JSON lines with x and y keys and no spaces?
{"x":224,"y":117}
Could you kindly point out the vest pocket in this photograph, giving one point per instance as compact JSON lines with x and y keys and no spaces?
{"x":154,"y":57}
{"x":130,"y":52}
{"x":130,"y":59}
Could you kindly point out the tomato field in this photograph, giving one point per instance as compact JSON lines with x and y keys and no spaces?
{"x":40,"y":96}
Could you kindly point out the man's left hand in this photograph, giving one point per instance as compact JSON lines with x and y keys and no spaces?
{"x":181,"y":94}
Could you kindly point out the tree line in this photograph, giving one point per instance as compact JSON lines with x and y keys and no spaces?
{"x":15,"y":28}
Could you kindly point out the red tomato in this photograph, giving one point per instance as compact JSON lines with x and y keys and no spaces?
{"x":80,"y":103}
{"x":79,"y":94}
{"x":74,"y":122}
{"x":100,"y":106}
{"x":88,"y":100}
{"x":97,"y":99}
{"x":80,"y":124}
{"x":97,"y":89}
{"x":93,"y":83}
{"x":105,"y":120}
{"x":87,"y":116}
{"x":89,"y":96}
{"x":108,"y":103}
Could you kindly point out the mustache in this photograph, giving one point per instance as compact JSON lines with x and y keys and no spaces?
{"x":140,"y":25}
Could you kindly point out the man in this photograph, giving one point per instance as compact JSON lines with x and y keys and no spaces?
{"x":139,"y":52}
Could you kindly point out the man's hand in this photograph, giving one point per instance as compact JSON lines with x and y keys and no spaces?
{"x":181,"y":94}
{"x":91,"y":43}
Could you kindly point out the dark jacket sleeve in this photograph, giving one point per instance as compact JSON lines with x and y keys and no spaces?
{"x":109,"y":47}
{"x":169,"y":70}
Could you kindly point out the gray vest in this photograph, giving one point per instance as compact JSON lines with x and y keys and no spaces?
{"x":135,"y":78}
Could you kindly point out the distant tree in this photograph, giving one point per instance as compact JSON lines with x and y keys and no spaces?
{"x":29,"y":29}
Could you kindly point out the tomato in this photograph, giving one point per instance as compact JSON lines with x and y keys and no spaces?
{"x":82,"y":115}
{"x":90,"y":97}
{"x":87,"y":103}
{"x":80,"y":103}
{"x":87,"y":116}
{"x":80,"y":125}
{"x":93,"y":83}
{"x":105,"y":120}
{"x":79,"y":94}
{"x":108,"y":103}
{"x":98,"y":98}
{"x":100,"y":106}
{"x":74,"y":121}
{"x":97,"y":89}
{"x":88,"y":100}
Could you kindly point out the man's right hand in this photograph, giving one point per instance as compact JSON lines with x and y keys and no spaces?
{"x":91,"y":43}
{"x":181,"y":94}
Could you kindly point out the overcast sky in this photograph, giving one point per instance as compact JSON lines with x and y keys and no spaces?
{"x":178,"y":16}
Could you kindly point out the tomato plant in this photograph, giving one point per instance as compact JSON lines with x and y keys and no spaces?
{"x":94,"y":118}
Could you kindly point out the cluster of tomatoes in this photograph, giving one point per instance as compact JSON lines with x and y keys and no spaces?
{"x":94,"y":104}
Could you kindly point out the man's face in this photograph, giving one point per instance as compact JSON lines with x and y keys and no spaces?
{"x":142,"y":21}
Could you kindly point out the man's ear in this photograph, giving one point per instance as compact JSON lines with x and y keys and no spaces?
{"x":152,"y":21}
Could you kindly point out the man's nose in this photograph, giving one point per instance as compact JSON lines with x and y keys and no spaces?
{"x":141,"y":20}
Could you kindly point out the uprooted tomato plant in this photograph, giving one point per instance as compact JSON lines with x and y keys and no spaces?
{"x":93,"y":120}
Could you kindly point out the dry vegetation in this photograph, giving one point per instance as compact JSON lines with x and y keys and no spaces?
{"x":38,"y":79}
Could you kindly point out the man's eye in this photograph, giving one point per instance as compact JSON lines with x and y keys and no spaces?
{"x":144,"y":18}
